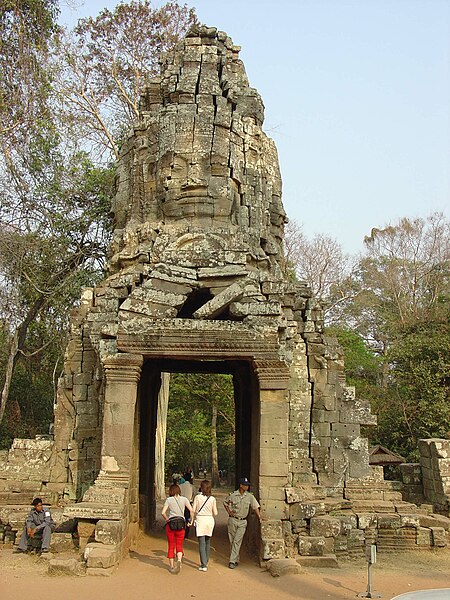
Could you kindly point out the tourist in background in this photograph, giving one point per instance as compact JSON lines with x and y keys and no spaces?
{"x":205,"y":509}
{"x":188,"y":475}
{"x":187,"y":490}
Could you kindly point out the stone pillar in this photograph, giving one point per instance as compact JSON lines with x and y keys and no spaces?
{"x":274,"y":464}
{"x":106,"y":504}
{"x":122,"y":378}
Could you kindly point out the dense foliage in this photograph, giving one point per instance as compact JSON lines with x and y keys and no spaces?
{"x":201,"y":410}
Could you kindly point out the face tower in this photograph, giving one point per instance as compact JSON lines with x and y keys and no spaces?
{"x":197,"y":282}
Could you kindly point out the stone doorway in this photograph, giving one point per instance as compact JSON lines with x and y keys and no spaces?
{"x":246,"y":398}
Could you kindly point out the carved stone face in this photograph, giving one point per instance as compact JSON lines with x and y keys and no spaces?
{"x":186,"y":188}
{"x":199,"y":158}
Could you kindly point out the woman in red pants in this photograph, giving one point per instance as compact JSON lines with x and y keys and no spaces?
{"x":173,"y":510}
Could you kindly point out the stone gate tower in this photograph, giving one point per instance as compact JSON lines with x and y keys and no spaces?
{"x":196,"y":282}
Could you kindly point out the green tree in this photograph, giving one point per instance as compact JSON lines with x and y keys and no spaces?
{"x":401,"y":311}
{"x":50,"y":246}
{"x":419,"y":387}
{"x":200,"y":422}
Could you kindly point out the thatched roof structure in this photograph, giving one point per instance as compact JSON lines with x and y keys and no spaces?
{"x":381,"y":456}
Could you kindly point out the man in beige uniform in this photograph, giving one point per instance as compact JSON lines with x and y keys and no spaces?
{"x":238,"y":505}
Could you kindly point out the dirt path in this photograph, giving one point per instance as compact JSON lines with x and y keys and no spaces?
{"x":144,"y":575}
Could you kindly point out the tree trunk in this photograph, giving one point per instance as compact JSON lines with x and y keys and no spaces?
{"x":214,"y":458}
{"x":12,"y":359}
{"x":20,"y":334}
{"x":160,"y":438}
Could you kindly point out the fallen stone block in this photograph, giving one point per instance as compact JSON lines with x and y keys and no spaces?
{"x":101,"y":556}
{"x":66,"y":566}
{"x":285,"y":566}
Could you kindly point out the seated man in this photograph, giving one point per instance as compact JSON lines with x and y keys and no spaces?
{"x":39,"y":523}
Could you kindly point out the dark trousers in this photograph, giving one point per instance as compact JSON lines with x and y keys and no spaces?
{"x":187,"y":516}
{"x":45,"y":534}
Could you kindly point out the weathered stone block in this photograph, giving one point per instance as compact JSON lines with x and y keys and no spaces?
{"x":62,"y":542}
{"x":345,"y":430}
{"x":300,"y":510}
{"x":304,"y":493}
{"x":271,"y":530}
{"x":279,"y":469}
{"x":311,"y":546}
{"x":410,"y":521}
{"x":273,"y":548}
{"x":325,"y":527}
{"x":276,"y":460}
{"x":101,"y":556}
{"x":438,"y":537}
{"x":348,"y":522}
{"x":423,"y":537}
{"x":109,"y":532}
{"x":366,"y":520}
{"x":271,"y":493}
{"x":275,"y":426}
{"x":283,"y":566}
{"x":435,"y":521}
{"x":66,"y":566}
{"x":388,"y":521}
{"x":274,"y":510}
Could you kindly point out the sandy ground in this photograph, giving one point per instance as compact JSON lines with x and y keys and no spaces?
{"x":144,"y":575}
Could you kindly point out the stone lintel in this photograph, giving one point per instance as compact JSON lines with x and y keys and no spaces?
{"x":205,"y":343}
{"x":93,"y":510}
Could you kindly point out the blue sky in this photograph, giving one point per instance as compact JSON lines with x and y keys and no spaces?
{"x":357,"y":97}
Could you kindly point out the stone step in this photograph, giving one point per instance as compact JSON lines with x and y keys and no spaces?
{"x":373,"y":506}
{"x":24,"y":498}
{"x":327,"y":561}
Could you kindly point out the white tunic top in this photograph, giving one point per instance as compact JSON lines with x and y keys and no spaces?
{"x":205,"y":508}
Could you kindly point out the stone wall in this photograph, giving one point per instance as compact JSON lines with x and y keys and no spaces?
{"x":25,"y":472}
{"x":411,"y":477}
{"x":435,"y":465}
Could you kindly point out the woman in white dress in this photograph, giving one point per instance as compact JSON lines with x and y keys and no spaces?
{"x":205,"y":509}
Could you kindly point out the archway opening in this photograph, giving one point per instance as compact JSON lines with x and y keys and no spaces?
{"x":244,"y":389}
{"x":201,"y":428}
